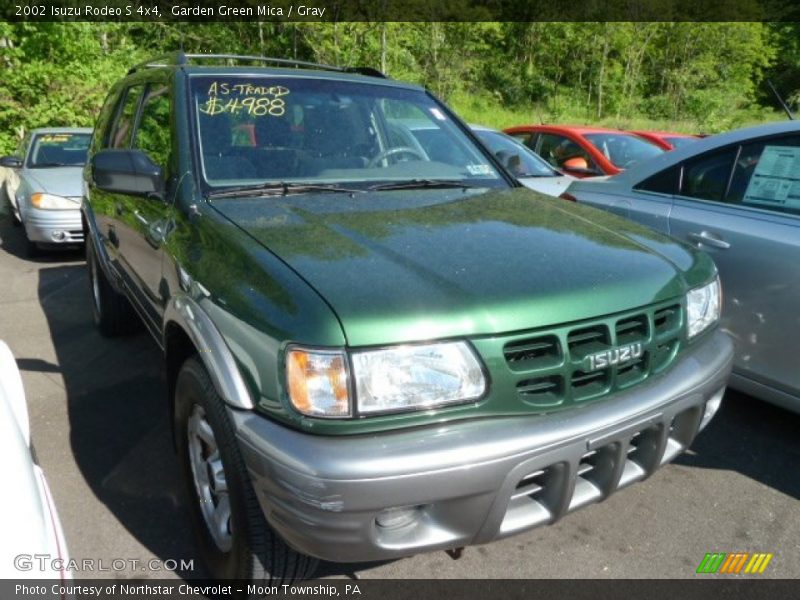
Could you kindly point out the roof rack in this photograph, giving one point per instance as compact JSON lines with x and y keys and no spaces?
{"x":179,"y":58}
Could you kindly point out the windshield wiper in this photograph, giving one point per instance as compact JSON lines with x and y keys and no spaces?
{"x":56,"y":164}
{"x":421,"y":183}
{"x":282,"y":188}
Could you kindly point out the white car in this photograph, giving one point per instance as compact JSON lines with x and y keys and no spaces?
{"x":529,"y":168}
{"x":31,"y":529}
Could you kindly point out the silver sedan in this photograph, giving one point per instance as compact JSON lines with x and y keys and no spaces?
{"x":46,"y":186}
{"x":529,"y":168}
{"x":737,"y":196}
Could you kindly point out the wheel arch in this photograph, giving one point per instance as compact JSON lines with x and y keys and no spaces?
{"x":188,"y":330}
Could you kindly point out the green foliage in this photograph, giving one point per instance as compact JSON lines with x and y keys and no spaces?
{"x":700,"y":76}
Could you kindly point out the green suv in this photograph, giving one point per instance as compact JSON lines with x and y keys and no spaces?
{"x":376,"y":342}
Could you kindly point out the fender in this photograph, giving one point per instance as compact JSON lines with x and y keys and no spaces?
{"x":11,"y":388}
{"x":100,"y":247}
{"x":212,"y":349}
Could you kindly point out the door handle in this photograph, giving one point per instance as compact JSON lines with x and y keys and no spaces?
{"x":141,"y":219}
{"x":709,"y":239}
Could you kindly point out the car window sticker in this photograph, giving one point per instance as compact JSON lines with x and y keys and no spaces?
{"x":776,"y":179}
{"x":245,"y":98}
{"x":480,"y":170}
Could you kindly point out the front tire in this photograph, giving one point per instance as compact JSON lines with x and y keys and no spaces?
{"x":113,"y":314}
{"x":235,"y":539}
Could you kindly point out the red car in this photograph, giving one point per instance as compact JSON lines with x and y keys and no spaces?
{"x":585,"y":151}
{"x":665,"y":139}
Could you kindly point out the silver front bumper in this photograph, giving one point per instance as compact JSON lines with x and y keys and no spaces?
{"x":54,"y":226}
{"x":475,"y":481}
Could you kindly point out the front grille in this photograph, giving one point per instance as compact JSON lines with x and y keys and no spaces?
{"x":582,"y":362}
{"x":537,"y":353}
{"x":549,"y":490}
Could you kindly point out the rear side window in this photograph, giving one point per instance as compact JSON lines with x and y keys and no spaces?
{"x":707,"y":176}
{"x":664,"y":182}
{"x":767,"y":175}
{"x":153,"y":133}
{"x":123,"y":125}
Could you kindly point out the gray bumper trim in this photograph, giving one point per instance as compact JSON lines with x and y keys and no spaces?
{"x":473,"y":481}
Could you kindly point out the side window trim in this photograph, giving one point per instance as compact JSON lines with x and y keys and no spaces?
{"x":141,"y":85}
{"x":104,"y":117}
{"x":731,"y":174}
{"x":147,"y":87}
{"x":111,"y":124}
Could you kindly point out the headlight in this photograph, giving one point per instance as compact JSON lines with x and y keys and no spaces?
{"x":703,"y":306}
{"x":387,"y":380}
{"x":317,"y":381}
{"x":51,"y":202}
{"x":416,"y":376}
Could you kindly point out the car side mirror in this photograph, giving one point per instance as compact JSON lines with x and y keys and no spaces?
{"x":576,"y":163}
{"x":11,"y":162}
{"x":129,"y":172}
{"x":579,"y":166}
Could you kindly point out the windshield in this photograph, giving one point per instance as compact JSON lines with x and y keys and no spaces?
{"x":58,"y":150}
{"x":622,"y":149}
{"x":255,"y":130}
{"x":515,"y":156}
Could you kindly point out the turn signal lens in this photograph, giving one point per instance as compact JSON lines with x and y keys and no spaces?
{"x":317,"y":382}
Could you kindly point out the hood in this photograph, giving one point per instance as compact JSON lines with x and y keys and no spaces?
{"x":400,"y":266}
{"x":59,"y":181}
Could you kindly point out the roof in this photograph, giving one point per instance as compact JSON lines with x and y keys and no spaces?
{"x":579,"y":129}
{"x":194,"y":70}
{"x":652,"y":166}
{"x":266,"y":65}
{"x":62,"y":130}
{"x":662,"y":133}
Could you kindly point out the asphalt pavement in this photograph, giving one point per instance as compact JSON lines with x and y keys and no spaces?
{"x":100,"y":425}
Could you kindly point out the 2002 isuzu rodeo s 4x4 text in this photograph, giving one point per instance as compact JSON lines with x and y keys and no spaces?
{"x":377,"y":343}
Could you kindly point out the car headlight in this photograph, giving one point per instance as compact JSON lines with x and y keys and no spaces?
{"x":392,"y":379}
{"x":703,"y":305}
{"x":416,"y":376}
{"x":51,"y":202}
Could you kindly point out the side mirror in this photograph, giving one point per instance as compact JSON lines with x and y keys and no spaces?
{"x":11,"y":162}
{"x":577,"y":165}
{"x":129,"y":172}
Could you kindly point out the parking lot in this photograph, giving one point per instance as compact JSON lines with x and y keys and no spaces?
{"x":100,"y":427}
